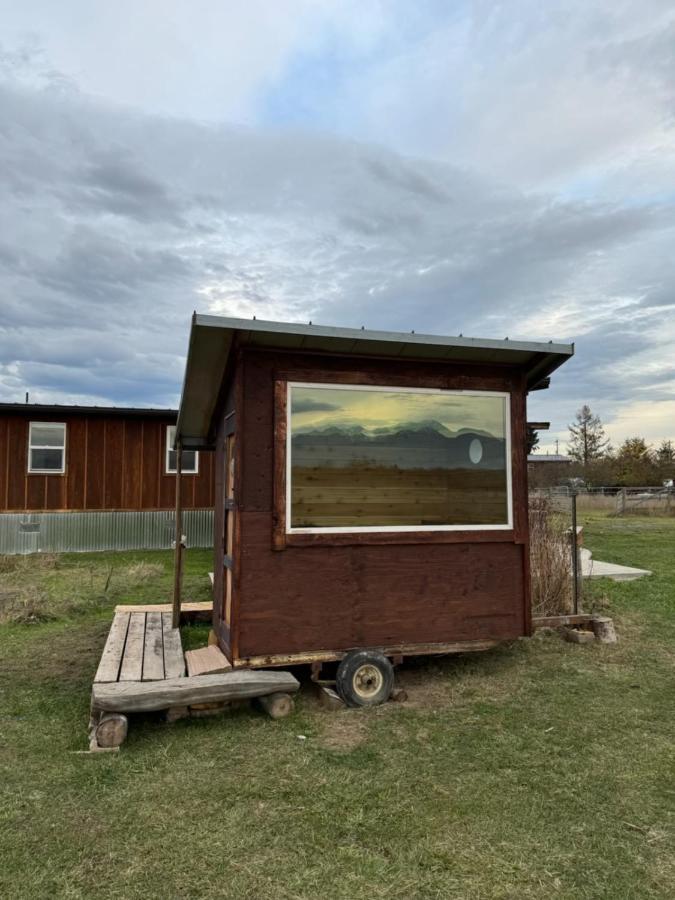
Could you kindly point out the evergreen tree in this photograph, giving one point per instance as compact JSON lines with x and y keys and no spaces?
{"x":666,"y":453}
{"x":532,"y":439}
{"x":634,"y":449}
{"x":587,"y":437}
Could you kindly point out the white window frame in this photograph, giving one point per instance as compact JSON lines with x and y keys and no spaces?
{"x":32,"y":446}
{"x":363,"y":529}
{"x":169,"y":447}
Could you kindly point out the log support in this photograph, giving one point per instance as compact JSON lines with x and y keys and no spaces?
{"x":277,"y":706}
{"x":604,"y":630}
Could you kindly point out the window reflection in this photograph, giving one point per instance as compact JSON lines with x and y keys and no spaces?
{"x":389,"y":458}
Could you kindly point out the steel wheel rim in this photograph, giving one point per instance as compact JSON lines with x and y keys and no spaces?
{"x":367,"y":681}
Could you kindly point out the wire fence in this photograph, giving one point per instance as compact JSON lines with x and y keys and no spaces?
{"x":652,"y":501}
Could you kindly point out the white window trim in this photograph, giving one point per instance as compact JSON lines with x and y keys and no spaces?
{"x":168,"y":448}
{"x":32,"y":446}
{"x":375,"y":529}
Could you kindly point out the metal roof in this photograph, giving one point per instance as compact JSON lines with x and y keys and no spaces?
{"x":211,"y":339}
{"x":62,"y":409}
{"x":548,"y":458}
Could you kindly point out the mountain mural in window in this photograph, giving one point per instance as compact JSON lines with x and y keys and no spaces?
{"x":386,"y":458}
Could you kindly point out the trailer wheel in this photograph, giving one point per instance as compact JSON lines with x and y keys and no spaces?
{"x":364,"y":678}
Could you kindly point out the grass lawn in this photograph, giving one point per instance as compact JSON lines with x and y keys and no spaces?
{"x":541,"y":769}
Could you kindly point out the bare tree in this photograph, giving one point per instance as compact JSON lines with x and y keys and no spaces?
{"x":587,"y":437}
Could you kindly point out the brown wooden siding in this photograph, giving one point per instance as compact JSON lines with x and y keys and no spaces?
{"x":113,"y":463}
{"x":340,"y":593}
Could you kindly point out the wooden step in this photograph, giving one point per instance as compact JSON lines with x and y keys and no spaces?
{"x":140,"y":696}
{"x":206,"y":661}
{"x":187,"y":607}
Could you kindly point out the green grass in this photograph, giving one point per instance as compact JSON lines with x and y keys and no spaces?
{"x":541,"y":769}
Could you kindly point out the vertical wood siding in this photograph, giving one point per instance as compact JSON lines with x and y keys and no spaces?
{"x":112,"y":463}
{"x":354,"y":592}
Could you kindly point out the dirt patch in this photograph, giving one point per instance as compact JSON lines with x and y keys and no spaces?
{"x":438,"y":682}
{"x":346,"y":730}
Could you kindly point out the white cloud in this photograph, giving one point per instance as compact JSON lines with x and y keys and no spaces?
{"x":546,"y":214}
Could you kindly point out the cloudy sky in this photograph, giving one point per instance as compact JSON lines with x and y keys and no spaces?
{"x":480,"y":167}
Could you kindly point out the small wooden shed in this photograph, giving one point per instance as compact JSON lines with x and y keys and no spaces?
{"x":371,"y":487}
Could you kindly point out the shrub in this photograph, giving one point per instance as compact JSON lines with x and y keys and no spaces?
{"x":550,"y":560}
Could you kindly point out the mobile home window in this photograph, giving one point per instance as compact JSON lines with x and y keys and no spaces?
{"x":190,"y":457}
{"x":47,"y":448}
{"x":396,"y":459}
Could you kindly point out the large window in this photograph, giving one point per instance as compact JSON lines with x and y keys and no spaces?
{"x":47,"y":448}
{"x":388,"y":459}
{"x":190,"y":458}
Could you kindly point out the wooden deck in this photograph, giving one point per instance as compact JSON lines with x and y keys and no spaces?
{"x":141,"y":646}
{"x":142,"y":668}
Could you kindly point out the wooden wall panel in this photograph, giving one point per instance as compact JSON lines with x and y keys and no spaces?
{"x":4,"y":461}
{"x":340,"y":597}
{"x":18,"y":463}
{"x":112,"y":462}
{"x":336,"y":597}
{"x":55,"y":492}
{"x":132,"y":464}
{"x":36,"y":491}
{"x":114,"y":450}
{"x":96,"y":464}
{"x":76,"y":468}
{"x":152,"y":451}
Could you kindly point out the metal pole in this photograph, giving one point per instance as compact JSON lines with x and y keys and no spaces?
{"x":575,"y":554}
{"x":178,"y":554}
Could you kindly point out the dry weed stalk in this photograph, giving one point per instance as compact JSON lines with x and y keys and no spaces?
{"x":550,"y":560}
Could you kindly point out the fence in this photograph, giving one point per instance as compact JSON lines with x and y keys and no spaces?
{"x":628,"y":501}
{"x":72,"y":532}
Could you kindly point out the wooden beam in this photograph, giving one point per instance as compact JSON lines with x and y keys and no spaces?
{"x":153,"y":695}
{"x":313,"y":656}
{"x":178,"y":558}
{"x":557,"y":621}
{"x":204,"y":606}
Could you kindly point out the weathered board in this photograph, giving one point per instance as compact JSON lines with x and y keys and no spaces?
{"x":111,"y":658}
{"x":153,"y":651}
{"x":206,"y":661}
{"x":154,"y":695}
{"x":132,"y":664}
{"x":174,"y":661}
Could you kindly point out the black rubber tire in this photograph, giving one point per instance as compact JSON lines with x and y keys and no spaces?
{"x":364,"y":678}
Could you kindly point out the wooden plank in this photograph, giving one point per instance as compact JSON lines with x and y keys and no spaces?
{"x":206,"y":661}
{"x":111,"y":658}
{"x":311,"y":656}
{"x":557,"y":621}
{"x":174,"y":662}
{"x":153,"y":695}
{"x":153,"y":652}
{"x":132,"y":663}
{"x":205,"y":606}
